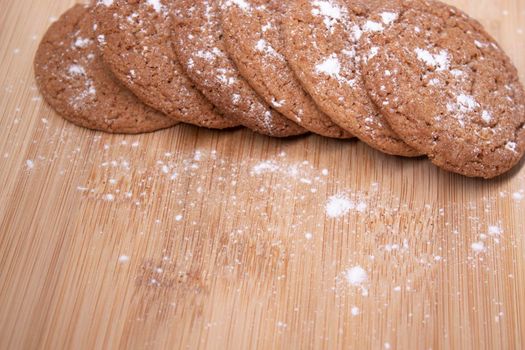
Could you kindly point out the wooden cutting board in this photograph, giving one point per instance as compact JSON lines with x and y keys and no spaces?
{"x":189,"y":238}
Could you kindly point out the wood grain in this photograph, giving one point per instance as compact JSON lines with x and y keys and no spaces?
{"x":228,"y":240}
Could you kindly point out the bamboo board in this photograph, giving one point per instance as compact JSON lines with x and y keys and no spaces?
{"x":189,"y":238}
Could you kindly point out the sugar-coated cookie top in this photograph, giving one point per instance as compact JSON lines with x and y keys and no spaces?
{"x":253,"y":40}
{"x":448,"y":89}
{"x":322,"y":39}
{"x":201,"y":50}
{"x":137,"y":48}
{"x":75,"y":82}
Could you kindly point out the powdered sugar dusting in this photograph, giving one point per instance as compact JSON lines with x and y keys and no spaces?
{"x":76,"y":69}
{"x":331,"y":66}
{"x":105,"y":2}
{"x":518,"y":196}
{"x":389,"y":17}
{"x":486,"y":116}
{"x":341,"y":204}
{"x":463,"y":105}
{"x":440,"y":61}
{"x":30,"y":164}
{"x":76,"y":72}
{"x":466,"y":103}
{"x":329,"y":10}
{"x":265,"y":47}
{"x":82,"y":42}
{"x":512,"y":146}
{"x":356,"y":276}
{"x":240,"y":3}
{"x":338,"y":206}
{"x":276,"y":205}
{"x":264,"y":167}
{"x":478,"y":247}
{"x":157,"y":5}
{"x":371,"y":26}
{"x":123,"y":259}
{"x":326,"y":8}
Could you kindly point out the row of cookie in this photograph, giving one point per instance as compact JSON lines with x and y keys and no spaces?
{"x":110,"y":66}
{"x":282,"y":71}
{"x":408,"y":77}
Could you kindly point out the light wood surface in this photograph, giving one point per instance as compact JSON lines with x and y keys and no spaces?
{"x":188,"y":238}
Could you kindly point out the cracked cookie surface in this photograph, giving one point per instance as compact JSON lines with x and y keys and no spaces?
{"x":448,"y":89}
{"x":135,"y":43}
{"x":321,"y":42}
{"x":200,"y":47}
{"x":74,"y":81}
{"x":254,"y":42}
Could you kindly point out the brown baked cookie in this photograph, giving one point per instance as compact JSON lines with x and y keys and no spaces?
{"x":74,"y":81}
{"x":200,"y":47}
{"x":448,"y":89}
{"x":253,"y":40}
{"x":137,"y":48}
{"x":321,"y":39}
